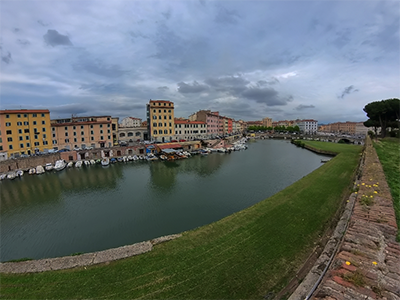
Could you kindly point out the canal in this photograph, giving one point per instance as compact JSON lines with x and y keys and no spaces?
{"x":96,"y":208}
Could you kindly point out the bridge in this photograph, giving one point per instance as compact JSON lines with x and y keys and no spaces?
{"x":357,"y":140}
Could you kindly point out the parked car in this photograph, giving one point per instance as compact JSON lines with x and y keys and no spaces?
{"x":182,"y":140}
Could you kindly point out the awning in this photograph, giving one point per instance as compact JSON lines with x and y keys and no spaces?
{"x":169,"y":151}
{"x":170,"y":146}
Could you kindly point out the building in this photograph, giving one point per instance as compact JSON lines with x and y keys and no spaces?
{"x":345,"y":128}
{"x":24,"y":131}
{"x":267,"y":122}
{"x":84,"y":132}
{"x":160,"y":120}
{"x":189,"y":130}
{"x":307,"y":126}
{"x":212,"y":120}
{"x":131,"y":122}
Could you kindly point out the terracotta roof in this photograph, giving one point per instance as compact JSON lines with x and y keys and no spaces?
{"x":23,"y":111}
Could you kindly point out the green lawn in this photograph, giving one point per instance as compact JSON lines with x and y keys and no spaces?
{"x":243,"y":256}
{"x":388,"y":151}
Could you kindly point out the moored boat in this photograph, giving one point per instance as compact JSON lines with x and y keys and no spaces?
{"x":48,"y":167}
{"x":105,"y":161}
{"x":70,"y":164}
{"x":11,"y":175}
{"x":19,"y":173}
{"x":39,"y":170}
{"x":78,"y":164}
{"x":60,"y":165}
{"x":32,"y":171}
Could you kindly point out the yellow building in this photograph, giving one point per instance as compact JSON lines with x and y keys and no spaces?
{"x":24,"y":131}
{"x":160,"y":120}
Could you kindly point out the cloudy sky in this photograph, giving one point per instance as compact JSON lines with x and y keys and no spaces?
{"x":248,"y":60}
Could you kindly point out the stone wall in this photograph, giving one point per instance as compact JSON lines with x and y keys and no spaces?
{"x":25,"y":163}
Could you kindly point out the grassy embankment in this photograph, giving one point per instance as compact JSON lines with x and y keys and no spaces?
{"x":246,"y":255}
{"x":388,"y":151}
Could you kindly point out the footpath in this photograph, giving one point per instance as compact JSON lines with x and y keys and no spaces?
{"x":365,"y":262}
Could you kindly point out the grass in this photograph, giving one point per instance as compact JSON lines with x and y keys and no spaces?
{"x":388,"y":151}
{"x":250,"y":254}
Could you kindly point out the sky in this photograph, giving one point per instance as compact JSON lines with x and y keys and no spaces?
{"x":321,"y":60}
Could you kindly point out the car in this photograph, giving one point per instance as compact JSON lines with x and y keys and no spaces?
{"x":182,"y":140}
{"x":174,"y":141}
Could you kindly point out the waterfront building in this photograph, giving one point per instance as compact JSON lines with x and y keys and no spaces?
{"x":133,"y":134}
{"x":254,"y":123}
{"x":345,"y":128}
{"x":212,"y":120}
{"x":189,"y":130}
{"x":84,"y":132}
{"x":24,"y":131}
{"x":130,"y":122}
{"x":307,"y":126}
{"x":160,"y":120}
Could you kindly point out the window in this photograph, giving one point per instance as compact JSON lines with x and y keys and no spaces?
{"x":34,"y":115}
{"x":154,"y":117}
{"x":83,"y":139}
{"x":108,"y":125}
{"x":54,"y":142}
{"x":67,"y":140}
{"x":101,"y":131}
{"x":26,"y":130}
{"x":160,"y":124}
{"x":43,"y":122}
{"x":1,"y":148}
{"x":169,"y":110}
{"x":165,"y":117}
{"x":159,"y":117}
{"x":165,"y":131}
{"x":74,"y":133}
{"x":27,"y":137}
{"x":42,"y":115}
{"x":21,"y":145}
{"x":82,"y":133}
{"x":154,"y":110}
{"x":8,"y":124}
{"x":130,"y":133}
{"x":159,"y":110}
{"x":75,"y":140}
{"x":165,"y":110}
{"x":154,"y":124}
{"x":26,"y":123}
{"x":19,"y":123}
{"x":108,"y":131}
{"x":36,"y":143}
{"x":25,"y":115}
{"x":8,"y":132}
{"x":10,"y":147}
{"x":92,"y":138}
{"x":170,"y":117}
{"x":101,"y":125}
{"x":66,"y":134}
{"x":160,"y":131}
{"x":36,"y":137}
{"x":20,"y":131}
{"x":102,"y":138}
{"x":66,"y":128}
{"x":137,"y":133}
{"x":28,"y":145}
{"x":91,"y":126}
{"x":44,"y":136}
{"x":54,"y":135}
{"x":155,"y":131}
{"x":81,"y":126}
{"x":7,"y":116}
{"x":21,"y":138}
{"x":43,"y":129}
{"x":109,"y":137}
{"x":91,"y":132}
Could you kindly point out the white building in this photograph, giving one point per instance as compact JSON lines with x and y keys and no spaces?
{"x":307,"y":126}
{"x":131,"y":122}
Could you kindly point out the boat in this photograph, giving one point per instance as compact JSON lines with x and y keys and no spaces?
{"x":135,"y":157}
{"x":92,"y":162}
{"x":325,"y":160}
{"x":78,"y":164}
{"x":120,"y":159}
{"x":129,"y":158}
{"x":203,"y":152}
{"x":32,"y":171}
{"x":98,"y":161}
{"x":105,"y":161}
{"x":113,"y":160}
{"x":39,"y":170}
{"x":70,"y":164}
{"x":151,"y":157}
{"x":60,"y":165}
{"x":48,"y":167}
{"x":20,"y":173}
{"x":11,"y":175}
{"x":3,"y":176}
{"x":86,"y":162}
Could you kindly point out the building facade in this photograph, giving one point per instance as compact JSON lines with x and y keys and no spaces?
{"x":131,"y":122}
{"x":307,"y":126}
{"x":24,"y":132}
{"x":160,"y":120}
{"x":190,"y":130}
{"x":83,"y":132}
{"x":267,"y":122}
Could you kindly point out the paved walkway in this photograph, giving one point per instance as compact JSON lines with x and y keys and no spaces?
{"x":367,"y":264}
{"x":83,"y":260}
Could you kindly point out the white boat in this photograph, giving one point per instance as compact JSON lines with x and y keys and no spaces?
{"x":60,"y":165}
{"x":105,"y":161}
{"x":78,"y":164}
{"x":151,"y":156}
{"x":11,"y":175}
{"x":92,"y":162}
{"x":125,"y":158}
{"x":86,"y":162}
{"x":135,"y":157}
{"x":20,"y":173}
{"x":129,"y":157}
{"x":32,"y":171}
{"x":70,"y":164}
{"x":39,"y":170}
{"x":3,"y":176}
{"x":48,"y":167}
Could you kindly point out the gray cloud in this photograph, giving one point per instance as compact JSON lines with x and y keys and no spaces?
{"x":231,"y":84}
{"x":267,"y":96}
{"x":23,"y":42}
{"x":98,"y":67}
{"x":348,"y":90}
{"x":163,"y":88}
{"x":53,"y":38}
{"x":7,"y":58}
{"x":195,"y":87}
{"x":302,"y":107}
{"x":43,"y":23}
{"x":226,"y":16}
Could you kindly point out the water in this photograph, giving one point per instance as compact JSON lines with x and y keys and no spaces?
{"x":96,"y":208}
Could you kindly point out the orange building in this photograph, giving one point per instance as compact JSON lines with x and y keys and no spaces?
{"x":24,"y":131}
{"x":160,"y":120}
{"x":83,"y":132}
